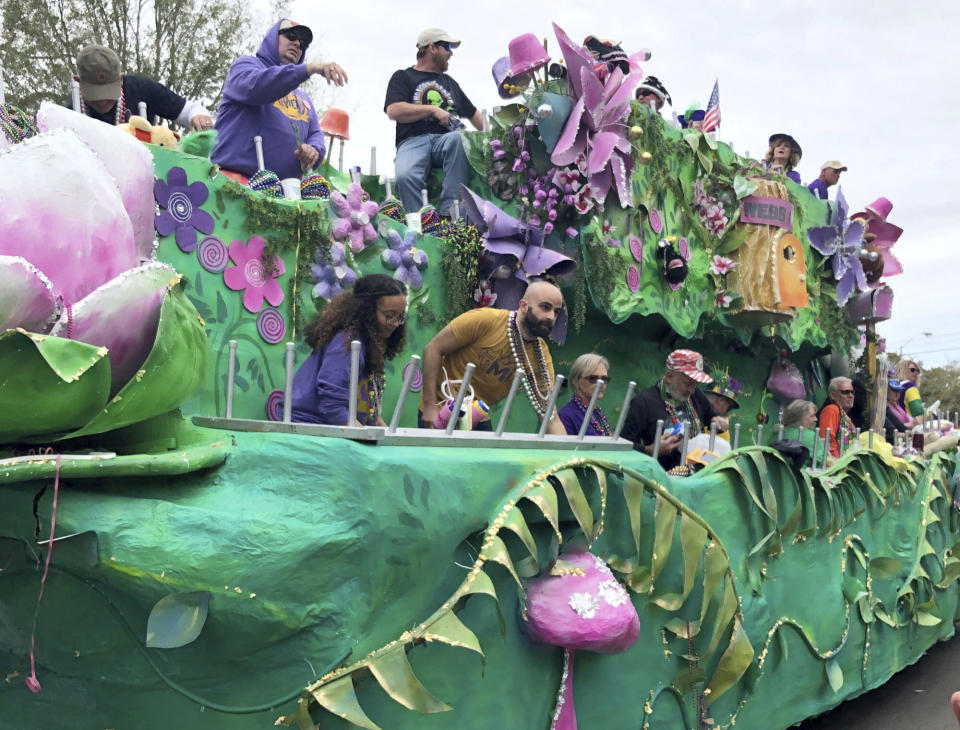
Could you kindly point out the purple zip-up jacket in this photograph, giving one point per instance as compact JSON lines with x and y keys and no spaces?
{"x":260,"y":96}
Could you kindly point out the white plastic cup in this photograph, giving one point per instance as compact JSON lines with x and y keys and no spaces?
{"x":413,"y":222}
{"x":291,"y":188}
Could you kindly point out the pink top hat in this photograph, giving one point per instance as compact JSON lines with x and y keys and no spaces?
{"x":881,"y":208}
{"x":527,"y":54}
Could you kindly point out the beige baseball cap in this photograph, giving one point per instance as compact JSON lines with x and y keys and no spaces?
{"x":435,"y":35}
{"x":99,"y":71}
{"x":833,"y":164}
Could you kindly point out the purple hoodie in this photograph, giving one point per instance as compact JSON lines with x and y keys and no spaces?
{"x":260,"y":96}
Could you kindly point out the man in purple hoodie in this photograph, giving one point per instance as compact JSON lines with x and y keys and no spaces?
{"x":260,"y":97}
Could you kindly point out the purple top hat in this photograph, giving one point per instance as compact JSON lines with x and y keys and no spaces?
{"x":527,"y":54}
{"x":508,"y":85}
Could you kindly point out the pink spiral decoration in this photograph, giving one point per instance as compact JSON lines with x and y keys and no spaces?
{"x":633,"y":278}
{"x":636,"y":248}
{"x":656,"y":222}
{"x":684,"y":248}
{"x":271,"y":326}
{"x":212,"y":254}
{"x":274,"y":406}
{"x":416,"y":385}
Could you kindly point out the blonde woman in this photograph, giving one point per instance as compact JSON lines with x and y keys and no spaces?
{"x":908,"y":373}
{"x":783,"y":155}
{"x":586,"y":371}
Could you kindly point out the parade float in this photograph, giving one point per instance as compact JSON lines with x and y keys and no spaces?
{"x":173,"y":553}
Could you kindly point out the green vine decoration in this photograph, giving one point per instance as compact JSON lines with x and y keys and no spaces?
{"x":302,"y":229}
{"x":703,"y":554}
{"x":460,"y":261}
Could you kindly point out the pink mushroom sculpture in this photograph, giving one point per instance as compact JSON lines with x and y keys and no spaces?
{"x":579,"y":604}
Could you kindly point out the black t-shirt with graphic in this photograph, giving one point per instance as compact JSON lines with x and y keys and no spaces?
{"x":423,"y":87}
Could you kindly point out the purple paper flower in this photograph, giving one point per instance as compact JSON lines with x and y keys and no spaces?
{"x":841,"y":241}
{"x":594,"y":137}
{"x":354,"y":223}
{"x":406,"y":259}
{"x":332,"y":273}
{"x":181,"y":202}
{"x":250,"y":275}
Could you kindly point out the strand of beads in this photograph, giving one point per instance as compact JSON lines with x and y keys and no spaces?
{"x":538,"y":399}
{"x":598,"y":419}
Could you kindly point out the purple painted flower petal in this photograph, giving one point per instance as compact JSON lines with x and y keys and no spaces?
{"x":390,"y":258}
{"x":823,"y":239}
{"x":164,"y":223}
{"x":202,"y":221}
{"x":854,"y":234}
{"x":572,"y":140}
{"x":161,"y":191}
{"x":592,"y":97}
{"x":198,"y":193}
{"x":845,"y":288}
{"x":603,"y":145}
{"x":177,"y":177}
{"x":186,"y":238}
{"x":416,"y":280}
{"x":253,"y":299}
{"x":621,"y":180}
{"x":27,"y":297}
{"x":576,"y":58}
{"x":234,"y":278}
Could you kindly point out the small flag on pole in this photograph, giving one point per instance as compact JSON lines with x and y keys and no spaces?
{"x":711,"y":120}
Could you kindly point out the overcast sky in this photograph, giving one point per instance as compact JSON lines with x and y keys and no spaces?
{"x":871,"y":84}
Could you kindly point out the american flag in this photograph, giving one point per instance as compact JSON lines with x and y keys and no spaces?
{"x":711,"y":120}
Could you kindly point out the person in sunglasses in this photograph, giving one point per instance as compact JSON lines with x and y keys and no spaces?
{"x":260,"y":97}
{"x":653,"y":94}
{"x":110,"y":96}
{"x":375,"y":313}
{"x":427,"y":105}
{"x":587,"y":370}
{"x":908,"y":373}
{"x":833,"y":413}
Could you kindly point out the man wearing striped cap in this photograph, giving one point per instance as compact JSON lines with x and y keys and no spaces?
{"x":674,"y":399}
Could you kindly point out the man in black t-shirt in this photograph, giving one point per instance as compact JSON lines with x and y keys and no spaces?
{"x":112,"y":97}
{"x":674,"y":399}
{"x":427,"y":106}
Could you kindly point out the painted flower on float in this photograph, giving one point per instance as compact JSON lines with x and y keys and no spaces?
{"x":484,"y":297}
{"x":404,"y":258}
{"x":721,"y":266}
{"x":841,"y":241}
{"x":353,"y":225}
{"x":332,"y":273}
{"x":251,"y":276}
{"x":181,"y":212}
{"x":594,"y":138}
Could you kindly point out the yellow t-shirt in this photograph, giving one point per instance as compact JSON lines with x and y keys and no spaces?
{"x":482,"y":334}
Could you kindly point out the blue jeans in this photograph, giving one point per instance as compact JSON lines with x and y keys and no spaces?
{"x":415,"y":158}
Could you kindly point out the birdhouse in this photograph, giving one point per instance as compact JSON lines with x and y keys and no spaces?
{"x":791,"y":272}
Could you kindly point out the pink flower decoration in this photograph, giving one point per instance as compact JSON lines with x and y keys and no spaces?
{"x":636,"y":248}
{"x":721,"y":266}
{"x":723,"y":299}
{"x":355,"y":216}
{"x":656,"y":222}
{"x":251,"y":276}
{"x":633,"y":278}
{"x":484,"y":297}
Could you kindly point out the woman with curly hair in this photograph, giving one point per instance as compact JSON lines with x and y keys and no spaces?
{"x":373,"y":313}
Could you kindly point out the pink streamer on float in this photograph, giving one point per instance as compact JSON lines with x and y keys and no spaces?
{"x":33,"y":684}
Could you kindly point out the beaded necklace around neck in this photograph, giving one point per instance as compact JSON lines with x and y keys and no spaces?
{"x":538,"y":398}
{"x":120,"y":113}
{"x":598,"y":418}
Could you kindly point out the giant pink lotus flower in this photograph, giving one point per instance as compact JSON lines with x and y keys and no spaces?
{"x":252,"y":277}
{"x":594,"y":137}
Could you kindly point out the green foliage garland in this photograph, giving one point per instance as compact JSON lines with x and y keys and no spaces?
{"x":460,"y":260}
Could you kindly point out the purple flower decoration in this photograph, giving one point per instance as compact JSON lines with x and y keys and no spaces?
{"x":594,"y":137}
{"x":841,"y":241}
{"x":274,"y":405}
{"x":332,"y":273}
{"x":181,"y":202}
{"x":636,"y":248}
{"x":212,"y":254}
{"x":354,"y":223}
{"x":250,"y":275}
{"x":271,"y":325}
{"x":406,"y":259}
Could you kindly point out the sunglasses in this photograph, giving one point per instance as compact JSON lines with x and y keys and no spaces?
{"x":644,"y":92}
{"x":444,"y":45}
{"x":392,"y":319}
{"x":291,"y":35}
{"x":914,"y":370}
{"x":846,"y":392}
{"x":594,"y":378}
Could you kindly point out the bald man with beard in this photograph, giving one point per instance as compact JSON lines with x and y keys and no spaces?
{"x":497,"y":341}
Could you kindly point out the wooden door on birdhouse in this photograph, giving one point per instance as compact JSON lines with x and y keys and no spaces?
{"x":791,"y":272}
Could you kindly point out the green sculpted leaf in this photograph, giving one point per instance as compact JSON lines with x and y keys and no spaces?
{"x":577,"y":500}
{"x":497,"y":551}
{"x":60,"y":383}
{"x":633,"y":494}
{"x":177,"y":619}
{"x":174,"y":368}
{"x":665,"y":516}
{"x":733,"y":663}
{"x":82,"y":548}
{"x":545,"y":497}
{"x":514,"y":522}
{"x":340,"y":698}
{"x":885,"y":567}
{"x":395,"y":675}
{"x":450,"y":630}
{"x":692,"y":538}
{"x":834,"y":674}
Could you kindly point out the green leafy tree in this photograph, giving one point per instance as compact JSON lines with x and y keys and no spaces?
{"x":943,"y":384}
{"x":187,"y":45}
